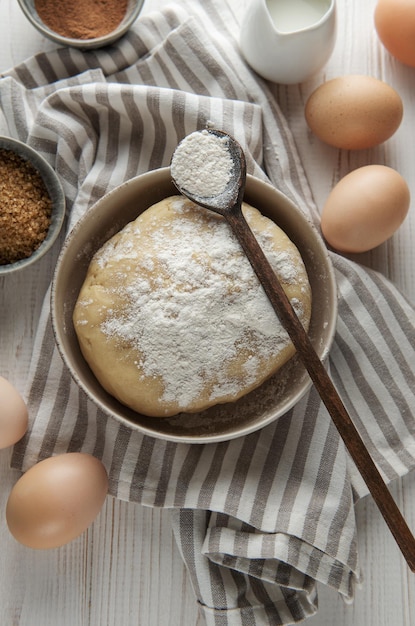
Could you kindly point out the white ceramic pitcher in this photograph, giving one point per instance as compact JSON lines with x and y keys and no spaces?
{"x":287,"y":41}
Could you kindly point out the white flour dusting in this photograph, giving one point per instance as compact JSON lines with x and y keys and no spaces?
{"x":202,"y":164}
{"x":190,"y":319}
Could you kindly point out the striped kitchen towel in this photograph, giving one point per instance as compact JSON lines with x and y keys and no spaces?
{"x":262,"y":519}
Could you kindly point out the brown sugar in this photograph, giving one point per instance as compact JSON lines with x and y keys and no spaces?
{"x":81,"y":19}
{"x":25,"y":208}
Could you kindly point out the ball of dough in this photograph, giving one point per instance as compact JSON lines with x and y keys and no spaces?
{"x":171,"y":317}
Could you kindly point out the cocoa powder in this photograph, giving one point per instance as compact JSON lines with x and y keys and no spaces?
{"x":81,"y":19}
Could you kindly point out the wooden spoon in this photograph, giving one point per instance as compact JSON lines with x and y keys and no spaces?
{"x":228,"y":204}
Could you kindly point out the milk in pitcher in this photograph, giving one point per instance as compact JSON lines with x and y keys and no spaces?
{"x":292,"y":15}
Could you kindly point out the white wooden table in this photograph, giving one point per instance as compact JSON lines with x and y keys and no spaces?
{"x":126,"y":570}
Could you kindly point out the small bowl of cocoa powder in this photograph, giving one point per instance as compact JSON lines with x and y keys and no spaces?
{"x":32,"y":206}
{"x":82,"y":23}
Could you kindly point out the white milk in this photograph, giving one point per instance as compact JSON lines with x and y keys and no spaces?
{"x":292,"y":15}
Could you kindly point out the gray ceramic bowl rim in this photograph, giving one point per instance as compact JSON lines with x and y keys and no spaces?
{"x":29,"y":10}
{"x":55,"y":191}
{"x":61,"y":311}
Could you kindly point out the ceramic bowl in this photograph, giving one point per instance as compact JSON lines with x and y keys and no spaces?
{"x":220,"y":422}
{"x":55,"y":191}
{"x":133,"y":9}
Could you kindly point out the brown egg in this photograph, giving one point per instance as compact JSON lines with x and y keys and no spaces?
{"x":354,"y":112}
{"x":365,"y":208}
{"x":395,"y":26}
{"x":13,"y":414}
{"x":56,"y":500}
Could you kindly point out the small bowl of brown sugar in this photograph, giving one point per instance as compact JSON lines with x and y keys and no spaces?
{"x":82,"y":23}
{"x":32,"y":206}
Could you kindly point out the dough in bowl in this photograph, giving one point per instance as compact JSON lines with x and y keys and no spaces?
{"x":171,"y":317}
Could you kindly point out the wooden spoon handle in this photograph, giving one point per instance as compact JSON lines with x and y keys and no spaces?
{"x":324,"y":385}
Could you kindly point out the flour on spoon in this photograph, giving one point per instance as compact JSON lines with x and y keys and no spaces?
{"x":211,"y":161}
